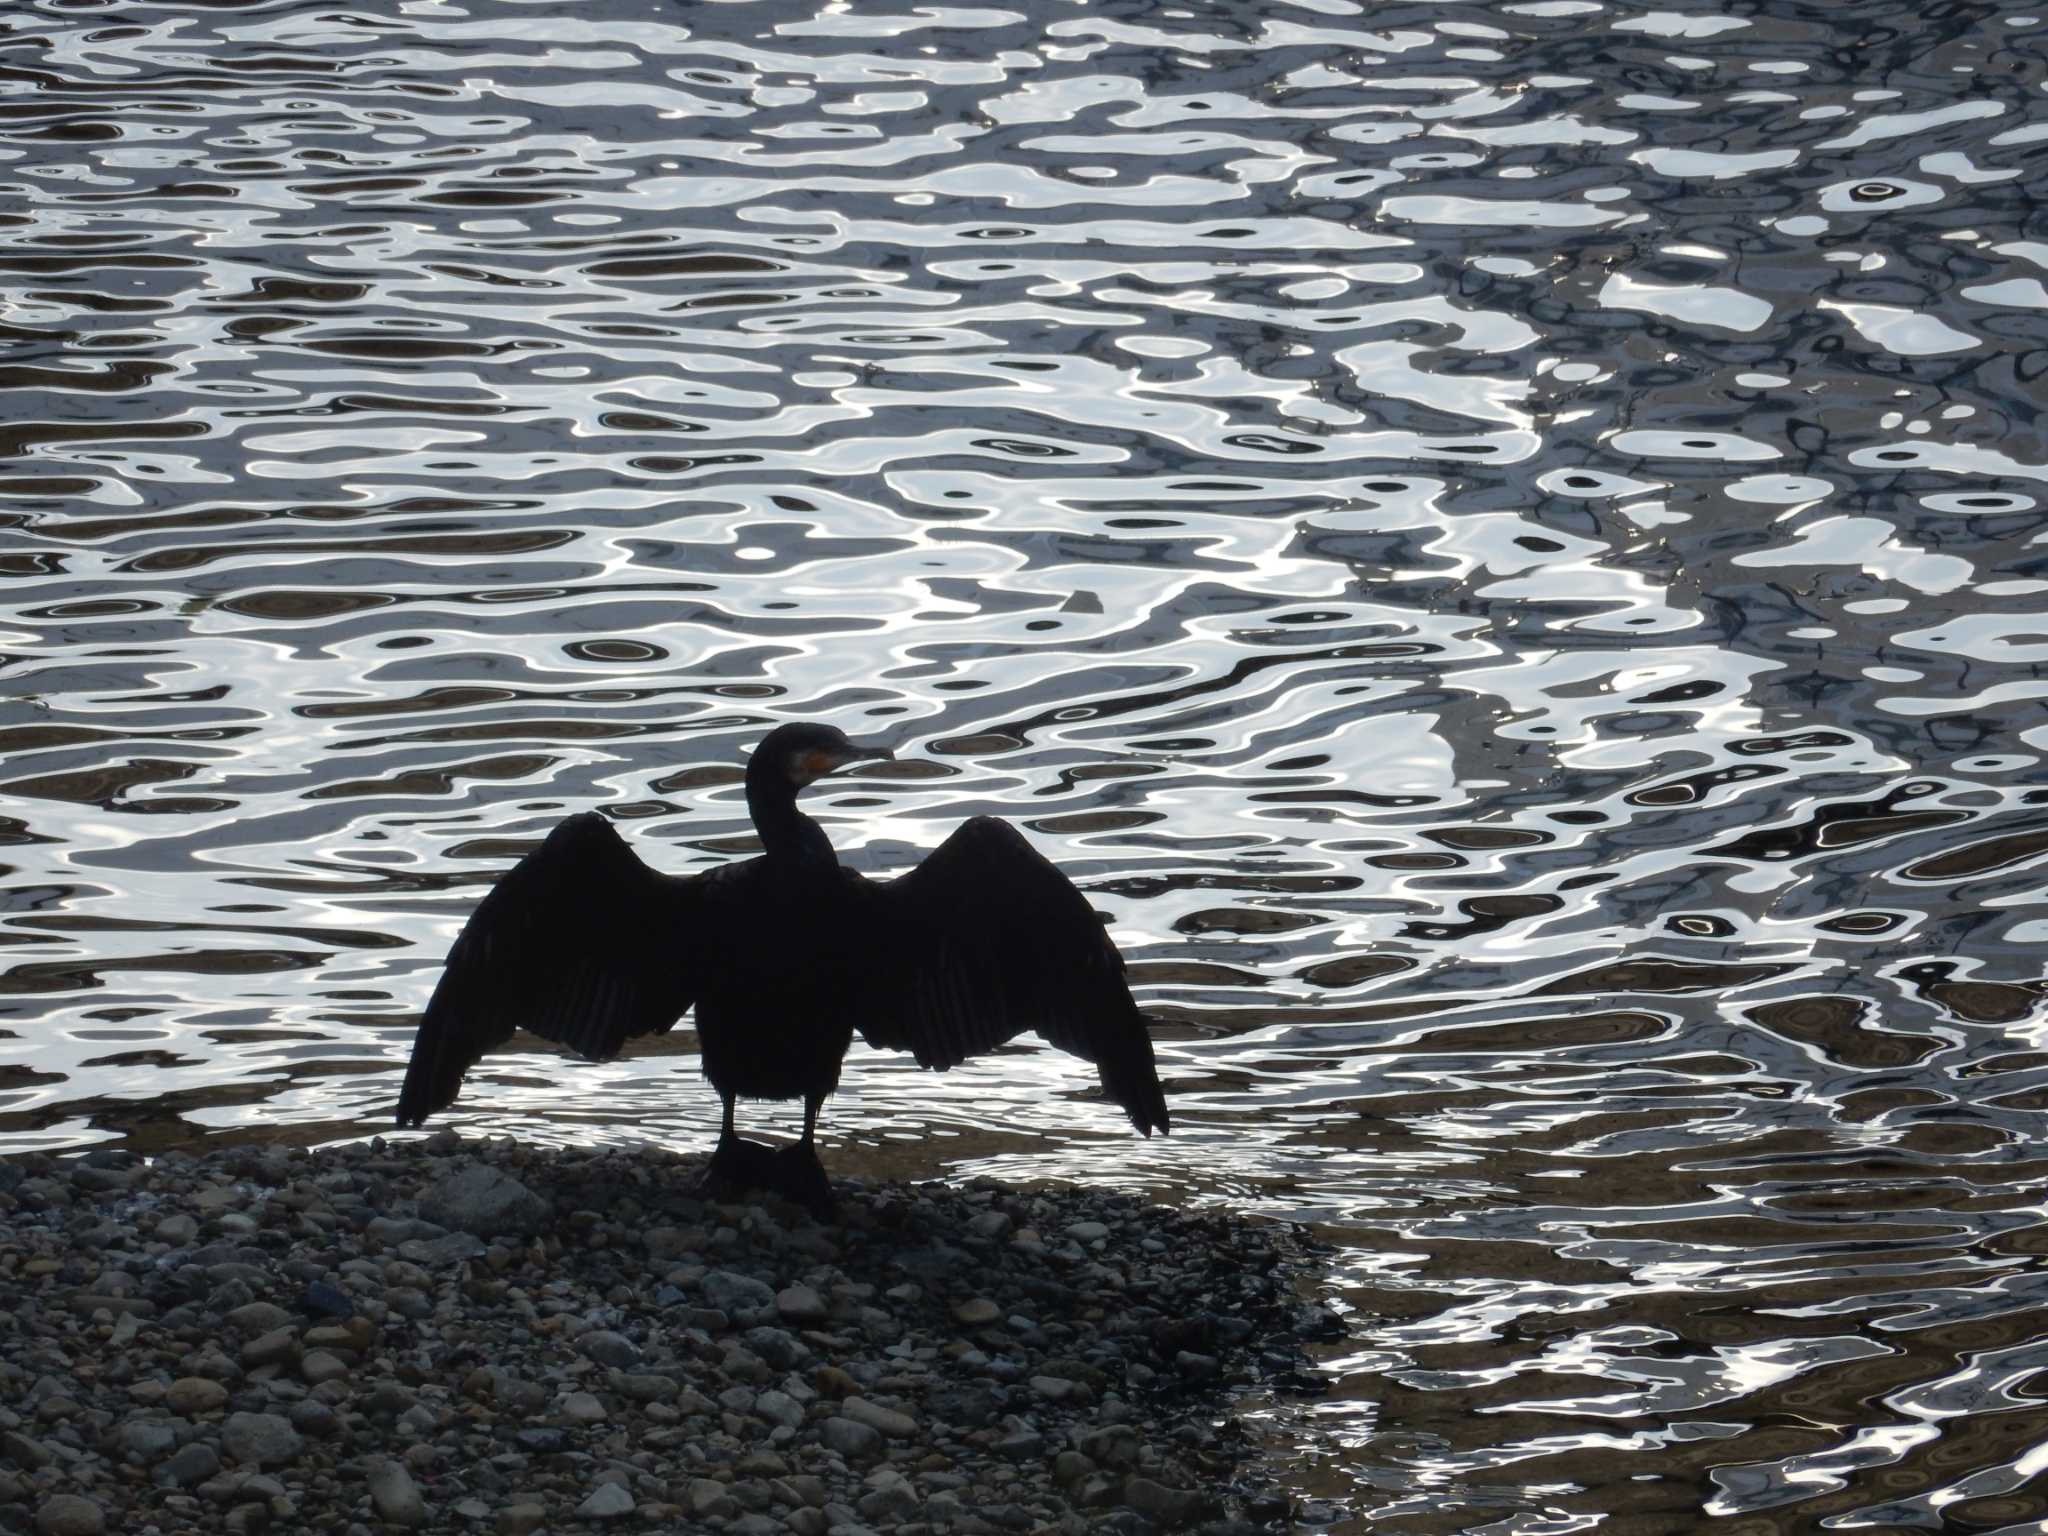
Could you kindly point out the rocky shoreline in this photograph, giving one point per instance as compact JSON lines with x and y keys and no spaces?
{"x":485,"y":1336}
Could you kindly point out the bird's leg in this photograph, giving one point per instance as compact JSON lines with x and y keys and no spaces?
{"x":738,"y":1164}
{"x":803,"y":1175}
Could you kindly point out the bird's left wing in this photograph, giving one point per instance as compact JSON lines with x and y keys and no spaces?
{"x":987,"y":939}
{"x":579,"y":943}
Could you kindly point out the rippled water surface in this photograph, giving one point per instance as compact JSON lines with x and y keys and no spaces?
{"x":1501,"y":543}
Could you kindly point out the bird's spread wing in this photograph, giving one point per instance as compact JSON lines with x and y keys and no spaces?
{"x":580,"y":943}
{"x":986,"y":939}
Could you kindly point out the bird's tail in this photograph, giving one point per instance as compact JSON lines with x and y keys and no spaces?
{"x":1130,"y":1075}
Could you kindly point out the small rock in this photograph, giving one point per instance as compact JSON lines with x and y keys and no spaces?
{"x":177,"y":1230}
{"x":735,"y":1293}
{"x":487,"y":1203}
{"x":395,"y":1496}
{"x":257,"y":1317}
{"x":1167,"y":1506}
{"x":1087,"y":1231}
{"x":268,"y":1349}
{"x":321,"y":1366}
{"x":990,"y":1224}
{"x":582,"y":1407}
{"x":193,"y":1463}
{"x":608,"y":1348}
{"x":607,"y":1501}
{"x":520,"y":1519}
{"x":897,"y":1426}
{"x":779,"y":1408}
{"x":889,"y":1505}
{"x":147,"y":1440}
{"x":801,"y":1305}
{"x":1024,"y":1445}
{"x":851,"y":1438}
{"x":195,"y":1395}
{"x":66,"y":1514}
{"x":976,"y":1313}
{"x":436,"y":1252}
{"x":260,"y":1439}
{"x":711,"y":1500}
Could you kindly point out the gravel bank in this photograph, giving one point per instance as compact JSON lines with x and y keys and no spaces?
{"x":473,"y":1336}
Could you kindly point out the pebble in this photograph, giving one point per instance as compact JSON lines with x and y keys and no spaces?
{"x":260,"y":1439}
{"x":802,"y":1305}
{"x":607,"y":1501}
{"x":897,"y":1426}
{"x":195,"y":1395}
{"x":66,"y":1514}
{"x":851,"y":1438}
{"x":395,"y":1496}
{"x":359,"y":1344}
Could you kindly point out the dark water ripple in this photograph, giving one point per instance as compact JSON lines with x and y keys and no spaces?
{"x":1502,"y":543}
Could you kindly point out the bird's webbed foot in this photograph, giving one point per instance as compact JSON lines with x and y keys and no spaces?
{"x":801,"y":1177}
{"x":737,"y":1165}
{"x":792,"y":1172}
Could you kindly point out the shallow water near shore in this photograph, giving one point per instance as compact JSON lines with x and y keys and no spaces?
{"x":1501,"y":544}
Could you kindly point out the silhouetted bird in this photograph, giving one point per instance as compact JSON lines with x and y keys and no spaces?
{"x":785,"y":957}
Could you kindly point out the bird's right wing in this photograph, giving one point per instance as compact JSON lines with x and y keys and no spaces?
{"x":580,"y":943}
{"x":987,"y":939}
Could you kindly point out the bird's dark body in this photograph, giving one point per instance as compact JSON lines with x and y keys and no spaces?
{"x":785,"y":958}
{"x":777,"y":1024}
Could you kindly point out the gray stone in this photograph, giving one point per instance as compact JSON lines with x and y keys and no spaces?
{"x":780,"y":1348}
{"x":1087,"y":1231}
{"x":779,"y":1407}
{"x":582,"y":1408}
{"x":733,"y":1293}
{"x":279,"y":1344}
{"x":1023,"y":1445}
{"x":990,"y":1224}
{"x":976,"y":1313}
{"x":189,"y":1464}
{"x":889,"y":1505}
{"x":607,"y":1501}
{"x":395,"y":1496}
{"x":801,"y":1305}
{"x":260,"y":1439}
{"x":147,"y":1440}
{"x":711,"y":1500}
{"x":435,"y":1252}
{"x":521,"y":1519}
{"x":486,"y":1202}
{"x":897,"y":1426}
{"x":1113,"y":1445}
{"x":1069,"y":1467}
{"x":322,"y":1365}
{"x":177,"y":1229}
{"x":608,"y":1348}
{"x":851,"y":1438}
{"x":257,"y":1317}
{"x":195,"y":1395}
{"x":1157,"y":1502}
{"x":66,"y":1514}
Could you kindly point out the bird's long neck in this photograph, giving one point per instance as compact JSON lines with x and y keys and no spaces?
{"x":786,"y":832}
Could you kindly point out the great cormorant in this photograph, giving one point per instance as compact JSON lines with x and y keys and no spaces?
{"x":785,"y":957}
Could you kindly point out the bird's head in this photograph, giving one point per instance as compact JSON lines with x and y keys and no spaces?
{"x":803,"y":752}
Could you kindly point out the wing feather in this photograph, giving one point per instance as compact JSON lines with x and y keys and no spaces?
{"x":985,"y":940}
{"x":579,"y":943}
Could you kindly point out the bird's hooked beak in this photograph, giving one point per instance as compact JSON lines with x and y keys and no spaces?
{"x":812,"y":766}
